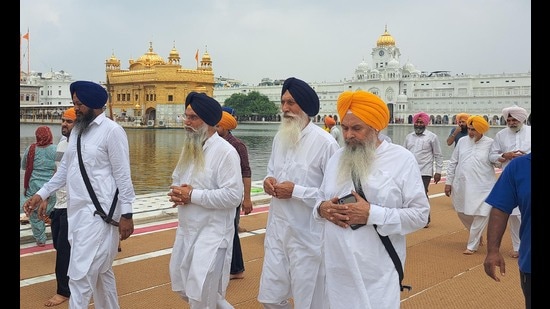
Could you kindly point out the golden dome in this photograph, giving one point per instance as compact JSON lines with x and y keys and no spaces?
{"x":206,"y":56}
{"x":385,"y":39}
{"x":113,"y":60}
{"x":150,"y":58}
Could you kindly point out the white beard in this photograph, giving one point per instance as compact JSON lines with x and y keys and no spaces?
{"x":192,"y":154}
{"x":291,"y":128}
{"x":357,"y":158}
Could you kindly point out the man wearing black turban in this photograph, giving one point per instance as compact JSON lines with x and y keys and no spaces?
{"x":206,"y":187}
{"x":102,"y":145}
{"x":304,"y":95}
{"x":208,"y":109}
{"x":295,"y":171}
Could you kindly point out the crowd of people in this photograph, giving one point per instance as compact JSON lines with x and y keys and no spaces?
{"x":320,"y":250}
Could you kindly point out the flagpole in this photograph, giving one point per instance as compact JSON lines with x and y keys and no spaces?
{"x":28,"y":54}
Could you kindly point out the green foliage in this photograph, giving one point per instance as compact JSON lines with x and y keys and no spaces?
{"x":252,"y":106}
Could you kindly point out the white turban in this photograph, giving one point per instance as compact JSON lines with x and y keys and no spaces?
{"x":519,"y":113}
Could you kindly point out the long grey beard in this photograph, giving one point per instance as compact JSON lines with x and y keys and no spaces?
{"x":357,"y":160}
{"x":192,"y":153}
{"x":290,"y":129}
{"x":83,"y":123}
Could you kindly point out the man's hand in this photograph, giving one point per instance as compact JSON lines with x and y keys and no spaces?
{"x":125,"y":228}
{"x":492,"y":261}
{"x":284,"y":189}
{"x":31,"y":204}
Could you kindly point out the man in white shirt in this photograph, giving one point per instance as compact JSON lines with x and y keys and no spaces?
{"x":292,"y":246}
{"x":509,"y":143}
{"x":93,"y":236}
{"x":425,"y":146}
{"x":359,"y":270}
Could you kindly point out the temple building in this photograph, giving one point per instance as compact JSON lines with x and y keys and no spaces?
{"x":152,"y":91}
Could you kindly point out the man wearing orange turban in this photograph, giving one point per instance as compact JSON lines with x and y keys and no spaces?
{"x":366,"y":106}
{"x":470,"y":178}
{"x":334,"y":130}
{"x":226,"y":124}
{"x":385,"y":180}
{"x":460,"y":130}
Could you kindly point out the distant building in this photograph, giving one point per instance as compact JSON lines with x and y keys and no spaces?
{"x":152,"y":91}
{"x":407,"y":90}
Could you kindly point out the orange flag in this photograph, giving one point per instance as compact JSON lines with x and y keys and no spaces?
{"x":26,"y":35}
{"x":197,"y":55}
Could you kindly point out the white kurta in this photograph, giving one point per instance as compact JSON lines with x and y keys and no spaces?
{"x":506,"y":140}
{"x":206,"y":224}
{"x":427,"y":151}
{"x":471,"y":176}
{"x":359,"y":271}
{"x":105,"y":153}
{"x":292,"y":246}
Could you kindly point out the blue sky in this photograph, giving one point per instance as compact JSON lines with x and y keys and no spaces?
{"x":315,"y":40}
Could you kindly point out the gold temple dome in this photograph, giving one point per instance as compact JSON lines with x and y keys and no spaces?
{"x":150,"y":58}
{"x":385,"y":39}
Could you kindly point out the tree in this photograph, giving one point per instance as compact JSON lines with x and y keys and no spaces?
{"x":253,"y":106}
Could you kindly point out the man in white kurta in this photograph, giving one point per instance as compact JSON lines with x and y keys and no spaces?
{"x":206,"y":186}
{"x":510,"y":143}
{"x":470,"y":178}
{"x":292,"y":246}
{"x":94,"y":243}
{"x":359,"y":270}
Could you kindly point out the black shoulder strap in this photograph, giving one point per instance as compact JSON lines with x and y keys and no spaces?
{"x":387,"y":243}
{"x":99,"y":211}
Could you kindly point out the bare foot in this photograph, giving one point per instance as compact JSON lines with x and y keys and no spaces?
{"x":468,"y":252}
{"x":236,"y":276}
{"x":55,"y":300}
{"x":481,"y":243}
{"x":514,"y":254}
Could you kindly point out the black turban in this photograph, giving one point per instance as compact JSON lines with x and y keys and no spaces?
{"x":304,"y":95}
{"x":208,"y":109}
{"x":89,"y":93}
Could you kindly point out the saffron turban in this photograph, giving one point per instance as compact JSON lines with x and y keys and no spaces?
{"x":303,"y":94}
{"x":479,"y":123}
{"x":89,"y":93}
{"x":519,"y":113}
{"x":329,"y":120}
{"x":70,"y":113}
{"x":207,"y":108}
{"x":365,"y":105}
{"x":462,"y":116}
{"x":228,"y":122}
{"x":425,"y":117}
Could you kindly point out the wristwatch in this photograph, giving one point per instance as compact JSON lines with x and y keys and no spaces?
{"x":127,"y":216}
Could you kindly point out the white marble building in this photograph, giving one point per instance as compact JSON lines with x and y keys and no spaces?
{"x":408,"y":90}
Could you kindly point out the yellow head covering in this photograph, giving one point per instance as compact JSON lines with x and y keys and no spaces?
{"x":479,"y":123}
{"x":227,"y":122}
{"x":462,"y":116}
{"x":70,"y":113}
{"x":365,"y":105}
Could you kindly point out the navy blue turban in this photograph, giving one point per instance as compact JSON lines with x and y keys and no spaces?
{"x":228,"y":109}
{"x":303,"y":94}
{"x":89,"y":93}
{"x":208,"y":109}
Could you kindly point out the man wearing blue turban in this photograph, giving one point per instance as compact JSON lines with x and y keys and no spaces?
{"x":206,"y":187}
{"x":301,"y":149}
{"x":102,"y":145}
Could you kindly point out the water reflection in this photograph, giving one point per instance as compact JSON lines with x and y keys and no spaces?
{"x":155,"y":152}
